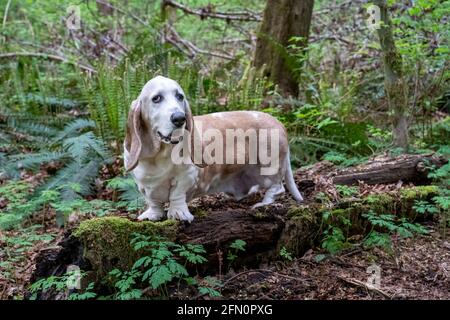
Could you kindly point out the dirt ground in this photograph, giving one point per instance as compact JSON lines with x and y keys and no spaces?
{"x":418,"y":268}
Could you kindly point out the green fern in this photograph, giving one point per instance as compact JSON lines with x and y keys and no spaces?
{"x":73,"y":128}
{"x":82,"y":154}
{"x":32,"y":161}
{"x":130,"y":197}
{"x":85,"y":146}
{"x":75,"y":173}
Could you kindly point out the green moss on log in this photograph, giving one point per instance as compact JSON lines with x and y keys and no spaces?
{"x":106,"y":241}
{"x":419,"y":192}
{"x":308,"y":213}
{"x":305,"y":221}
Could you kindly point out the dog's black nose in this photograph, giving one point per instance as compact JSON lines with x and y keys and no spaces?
{"x":178,"y":119}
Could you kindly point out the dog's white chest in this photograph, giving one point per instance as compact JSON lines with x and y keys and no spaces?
{"x":156,"y":177}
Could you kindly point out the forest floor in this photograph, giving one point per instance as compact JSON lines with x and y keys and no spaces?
{"x":418,"y":268}
{"x":415,"y":268}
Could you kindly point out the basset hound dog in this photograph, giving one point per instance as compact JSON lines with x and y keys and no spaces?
{"x":175,"y":157}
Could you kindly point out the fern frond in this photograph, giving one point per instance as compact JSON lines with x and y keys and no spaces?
{"x":34,"y":160}
{"x":84,"y":177}
{"x":74,"y":127}
{"x":33,"y":128}
{"x":74,"y":173}
{"x":129,"y":193}
{"x":84,"y":145}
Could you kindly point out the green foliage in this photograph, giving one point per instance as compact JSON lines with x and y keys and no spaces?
{"x":109,"y":97}
{"x":19,"y":205}
{"x":316,"y":131}
{"x":22,"y":204}
{"x":285,"y":254}
{"x":424,"y":207}
{"x":341,"y":159}
{"x":346,"y":191}
{"x":334,"y":240}
{"x":378,"y":239}
{"x":337,"y":225}
{"x":86,"y":295}
{"x":60,"y":284}
{"x":234,"y":248}
{"x":125,"y":282}
{"x":393,"y":226}
{"x":15,"y":248}
{"x":441,"y":175}
{"x":82,"y":153}
{"x":159,"y":264}
{"x":130,"y":197}
{"x":441,"y":205}
{"x":209,"y":285}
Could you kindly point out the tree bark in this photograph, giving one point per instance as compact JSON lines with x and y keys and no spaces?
{"x":282,"y":20}
{"x":395,"y":85}
{"x":407,"y":168}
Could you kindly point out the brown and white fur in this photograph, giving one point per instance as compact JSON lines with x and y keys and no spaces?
{"x":151,"y":137}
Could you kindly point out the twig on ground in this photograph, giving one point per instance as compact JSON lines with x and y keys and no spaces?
{"x":361,"y":284}
{"x":243,"y":273}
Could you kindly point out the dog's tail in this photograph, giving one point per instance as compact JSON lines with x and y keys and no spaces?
{"x":290,"y":182}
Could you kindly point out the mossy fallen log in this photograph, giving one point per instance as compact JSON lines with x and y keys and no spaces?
{"x":107,"y":241}
{"x":381,"y":170}
{"x":101,"y":244}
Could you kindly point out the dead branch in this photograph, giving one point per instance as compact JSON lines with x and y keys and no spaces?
{"x":133,"y":16}
{"x":208,"y":12}
{"x":47,"y":56}
{"x":191,"y":50}
{"x":172,"y":37}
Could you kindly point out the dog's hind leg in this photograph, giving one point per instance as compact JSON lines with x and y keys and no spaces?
{"x":271,"y":195}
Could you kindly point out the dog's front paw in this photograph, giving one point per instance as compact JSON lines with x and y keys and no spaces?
{"x":262,"y":204}
{"x":151,"y":214}
{"x":180,"y":213}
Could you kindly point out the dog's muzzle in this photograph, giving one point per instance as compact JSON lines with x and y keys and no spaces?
{"x":169,"y":138}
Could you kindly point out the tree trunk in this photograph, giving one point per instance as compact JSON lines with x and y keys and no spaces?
{"x":395,"y":85}
{"x":283,"y":19}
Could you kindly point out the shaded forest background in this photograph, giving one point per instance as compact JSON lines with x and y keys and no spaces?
{"x":345,"y":91}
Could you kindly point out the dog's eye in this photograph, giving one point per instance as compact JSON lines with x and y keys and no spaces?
{"x":179,"y":96}
{"x":157,"y":98}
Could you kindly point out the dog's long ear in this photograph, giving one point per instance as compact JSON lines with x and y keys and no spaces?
{"x":195,"y":139}
{"x":140,"y":140}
